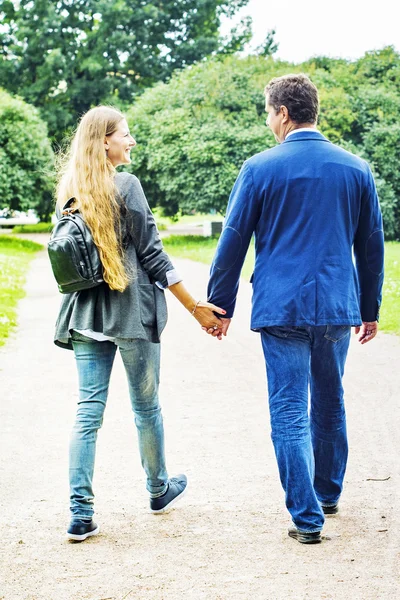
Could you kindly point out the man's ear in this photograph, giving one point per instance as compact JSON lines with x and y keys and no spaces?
{"x":285,"y":114}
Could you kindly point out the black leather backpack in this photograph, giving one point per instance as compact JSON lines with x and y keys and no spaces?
{"x":73,"y":254}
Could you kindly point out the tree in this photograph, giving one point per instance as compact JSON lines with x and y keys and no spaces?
{"x":381,"y":145}
{"x":386,"y":193}
{"x":269,"y":47}
{"x":194,"y":133}
{"x":361,"y":102}
{"x":26,"y":158}
{"x":65,"y":56}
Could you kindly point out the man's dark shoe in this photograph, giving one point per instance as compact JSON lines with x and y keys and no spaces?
{"x":79,"y":529}
{"x":333,"y":509}
{"x":303,"y":537}
{"x":176,"y":489}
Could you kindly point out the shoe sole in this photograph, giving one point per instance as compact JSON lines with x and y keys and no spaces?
{"x":303,"y":538}
{"x":170,"y":504}
{"x":84,"y":536}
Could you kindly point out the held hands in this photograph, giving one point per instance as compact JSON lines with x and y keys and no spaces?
{"x":203,"y":312}
{"x":222,"y":330}
{"x":367,"y":331}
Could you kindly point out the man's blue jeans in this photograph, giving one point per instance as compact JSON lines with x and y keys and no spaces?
{"x":310,"y":446}
{"x":142,"y":365}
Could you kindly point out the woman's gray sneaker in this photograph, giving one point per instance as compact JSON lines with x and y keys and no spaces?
{"x":79,"y":530}
{"x":176,"y":489}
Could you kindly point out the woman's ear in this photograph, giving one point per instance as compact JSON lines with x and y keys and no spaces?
{"x":106,"y":146}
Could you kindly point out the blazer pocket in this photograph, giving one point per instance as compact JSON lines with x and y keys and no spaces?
{"x":147,"y":305}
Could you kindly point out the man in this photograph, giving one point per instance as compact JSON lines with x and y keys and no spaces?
{"x":309,"y":204}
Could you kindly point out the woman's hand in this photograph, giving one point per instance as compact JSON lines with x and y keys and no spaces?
{"x":204,"y":314}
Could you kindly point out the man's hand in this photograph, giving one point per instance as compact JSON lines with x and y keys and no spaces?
{"x":367,"y":331}
{"x":222,"y":330}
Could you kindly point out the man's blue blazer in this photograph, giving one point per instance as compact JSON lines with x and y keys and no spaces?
{"x":310,"y":205}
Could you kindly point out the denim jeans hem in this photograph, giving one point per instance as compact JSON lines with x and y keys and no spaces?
{"x":81,"y":515}
{"x":308,"y":530}
{"x":158,"y":494}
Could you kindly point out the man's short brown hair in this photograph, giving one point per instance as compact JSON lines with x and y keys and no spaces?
{"x":297,"y":93}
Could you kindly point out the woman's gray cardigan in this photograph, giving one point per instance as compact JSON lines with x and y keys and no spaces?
{"x":140,"y":311}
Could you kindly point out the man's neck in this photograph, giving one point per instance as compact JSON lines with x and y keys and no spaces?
{"x":294,"y":127}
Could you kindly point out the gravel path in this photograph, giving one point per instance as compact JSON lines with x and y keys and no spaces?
{"x":227,"y":539}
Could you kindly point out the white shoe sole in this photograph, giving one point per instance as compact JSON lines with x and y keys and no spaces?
{"x":81,"y":538}
{"x":170,"y":505}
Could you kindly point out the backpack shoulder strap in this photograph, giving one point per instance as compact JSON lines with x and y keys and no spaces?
{"x":67,"y":207}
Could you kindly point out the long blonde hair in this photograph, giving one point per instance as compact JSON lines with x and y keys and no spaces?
{"x":87,"y":175}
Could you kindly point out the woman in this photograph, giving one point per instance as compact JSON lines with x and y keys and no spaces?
{"x":128,"y":311}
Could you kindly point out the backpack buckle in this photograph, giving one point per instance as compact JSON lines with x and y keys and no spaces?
{"x":69,"y":211}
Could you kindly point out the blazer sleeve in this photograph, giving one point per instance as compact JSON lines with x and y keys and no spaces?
{"x":145,"y":236}
{"x":369,"y":252}
{"x":240,"y":222}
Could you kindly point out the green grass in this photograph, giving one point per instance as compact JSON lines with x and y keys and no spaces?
{"x":38,"y":228}
{"x":15,"y":256}
{"x":196,"y":219}
{"x":390,"y":311}
{"x":200,"y":249}
{"x":193,"y":247}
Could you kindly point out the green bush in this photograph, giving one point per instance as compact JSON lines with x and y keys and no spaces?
{"x":382,"y":143}
{"x":26,"y":158}
{"x":194,"y":133}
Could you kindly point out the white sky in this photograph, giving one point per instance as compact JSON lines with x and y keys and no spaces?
{"x":339,"y":29}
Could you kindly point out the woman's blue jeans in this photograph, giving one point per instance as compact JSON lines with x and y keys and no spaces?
{"x":310,"y":445}
{"x":142,"y":365}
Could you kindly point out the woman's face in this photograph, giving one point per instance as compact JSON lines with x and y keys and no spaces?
{"x":118,"y":145}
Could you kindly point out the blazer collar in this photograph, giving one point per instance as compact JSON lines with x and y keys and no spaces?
{"x":301,"y":136}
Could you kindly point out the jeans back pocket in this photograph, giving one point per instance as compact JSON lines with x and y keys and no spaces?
{"x":335,"y":333}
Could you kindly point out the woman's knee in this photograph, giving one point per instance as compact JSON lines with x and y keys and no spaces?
{"x":89,"y":416}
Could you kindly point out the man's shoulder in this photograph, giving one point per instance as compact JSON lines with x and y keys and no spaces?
{"x":348,"y":156}
{"x":269,"y":155}
{"x":304,"y":152}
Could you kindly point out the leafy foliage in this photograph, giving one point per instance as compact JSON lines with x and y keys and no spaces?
{"x":65,"y":57}
{"x":194,"y":132}
{"x":381,"y":143}
{"x":26,"y":158}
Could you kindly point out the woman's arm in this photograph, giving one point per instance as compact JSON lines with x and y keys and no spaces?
{"x":203,"y":312}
